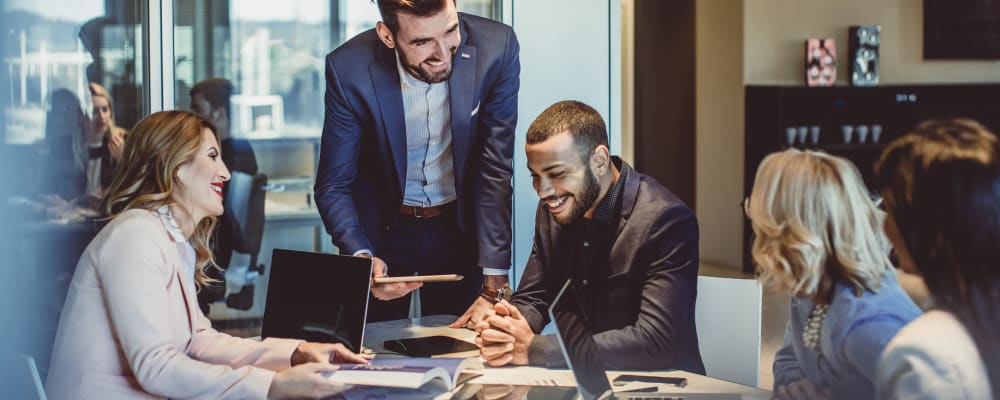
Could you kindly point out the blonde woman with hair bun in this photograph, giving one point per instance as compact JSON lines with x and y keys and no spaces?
{"x":818,"y":236}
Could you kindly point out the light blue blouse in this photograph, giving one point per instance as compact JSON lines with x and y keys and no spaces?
{"x":852,"y":337}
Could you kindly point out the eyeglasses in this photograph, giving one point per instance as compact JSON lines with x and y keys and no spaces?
{"x":876,"y":199}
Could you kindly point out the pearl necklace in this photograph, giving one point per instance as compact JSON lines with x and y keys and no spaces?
{"x":810,"y":332}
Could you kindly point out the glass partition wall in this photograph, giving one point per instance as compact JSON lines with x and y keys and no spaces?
{"x":72,"y":71}
{"x":143,"y":56}
{"x":273,"y":54}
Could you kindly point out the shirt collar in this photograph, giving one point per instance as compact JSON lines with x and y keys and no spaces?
{"x":405,"y":79}
{"x":173,"y":228}
{"x":606,"y":211}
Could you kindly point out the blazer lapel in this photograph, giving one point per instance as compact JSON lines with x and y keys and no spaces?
{"x":385,"y":80}
{"x":620,"y":249}
{"x":460,"y":91}
{"x":629,"y":193}
{"x":190,"y":299}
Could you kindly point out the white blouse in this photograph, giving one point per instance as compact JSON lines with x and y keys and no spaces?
{"x":933,"y":357}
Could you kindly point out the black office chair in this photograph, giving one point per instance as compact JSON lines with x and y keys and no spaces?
{"x":245,"y":205}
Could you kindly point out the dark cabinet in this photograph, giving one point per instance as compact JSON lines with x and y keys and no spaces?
{"x":852,"y":122}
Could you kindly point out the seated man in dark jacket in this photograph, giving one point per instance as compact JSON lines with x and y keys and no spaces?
{"x":629,"y":245}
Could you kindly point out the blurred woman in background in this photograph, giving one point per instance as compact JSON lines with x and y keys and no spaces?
{"x":941,"y":185}
{"x":105,"y":141}
{"x":818,"y":237}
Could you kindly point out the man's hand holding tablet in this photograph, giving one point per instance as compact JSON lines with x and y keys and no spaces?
{"x":419,"y":278}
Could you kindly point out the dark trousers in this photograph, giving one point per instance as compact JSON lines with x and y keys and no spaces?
{"x":429,"y":246}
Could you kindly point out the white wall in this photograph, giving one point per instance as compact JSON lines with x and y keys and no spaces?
{"x":719,"y":61}
{"x":570,"y":50}
{"x":775,"y":31}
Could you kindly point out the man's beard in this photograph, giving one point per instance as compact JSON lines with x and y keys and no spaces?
{"x":425,"y":75}
{"x":583,"y":201}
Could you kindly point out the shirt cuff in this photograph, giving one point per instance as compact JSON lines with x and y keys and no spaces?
{"x":495,"y":271}
{"x":536,"y":351}
{"x":363,"y":251}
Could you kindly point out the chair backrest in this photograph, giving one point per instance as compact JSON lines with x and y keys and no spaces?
{"x":245,"y":205}
{"x":727,"y":313}
{"x":20,"y":377}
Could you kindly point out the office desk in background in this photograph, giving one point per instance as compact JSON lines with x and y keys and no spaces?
{"x":378,"y":332}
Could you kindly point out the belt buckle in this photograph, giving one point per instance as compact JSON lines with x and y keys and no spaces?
{"x":415,"y":213}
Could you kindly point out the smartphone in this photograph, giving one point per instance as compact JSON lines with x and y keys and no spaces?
{"x":428,"y":346}
{"x":665,"y":380}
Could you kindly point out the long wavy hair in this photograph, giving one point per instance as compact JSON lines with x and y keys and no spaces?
{"x":157,"y":146}
{"x":815,"y":226}
{"x":941,"y":185}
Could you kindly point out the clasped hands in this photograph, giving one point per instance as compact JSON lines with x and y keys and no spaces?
{"x":503,"y":336}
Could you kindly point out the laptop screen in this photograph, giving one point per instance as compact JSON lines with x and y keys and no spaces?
{"x":577,"y":343}
{"x":317,"y":297}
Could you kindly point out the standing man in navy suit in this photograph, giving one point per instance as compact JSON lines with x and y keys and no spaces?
{"x":416,"y":159}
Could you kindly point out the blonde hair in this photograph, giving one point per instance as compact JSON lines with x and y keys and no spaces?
{"x":97,"y":90}
{"x":154,"y":150}
{"x":815,"y":225}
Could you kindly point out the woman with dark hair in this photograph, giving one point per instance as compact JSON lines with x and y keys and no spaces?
{"x":941,"y":186}
{"x":131,"y":327}
{"x":65,"y":135}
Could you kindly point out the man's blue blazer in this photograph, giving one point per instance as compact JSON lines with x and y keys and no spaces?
{"x":362,"y":165}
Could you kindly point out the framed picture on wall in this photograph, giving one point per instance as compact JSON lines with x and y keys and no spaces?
{"x":962,"y":29}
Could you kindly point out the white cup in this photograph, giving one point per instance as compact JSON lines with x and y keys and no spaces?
{"x":814,"y":133}
{"x":803,"y":131}
{"x":862,"y":133}
{"x":876,"y":133}
{"x":790,"y":133}
{"x":847,"y":130}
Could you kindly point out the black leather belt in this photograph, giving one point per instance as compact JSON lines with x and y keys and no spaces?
{"x":426,"y":212}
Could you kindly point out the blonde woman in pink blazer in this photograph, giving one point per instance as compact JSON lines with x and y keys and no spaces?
{"x":131,"y":327}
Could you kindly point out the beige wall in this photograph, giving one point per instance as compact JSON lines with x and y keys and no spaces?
{"x":762,"y":42}
{"x":719,"y":61}
{"x":775,"y":31}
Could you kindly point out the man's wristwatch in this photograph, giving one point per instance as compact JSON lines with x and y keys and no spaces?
{"x":494,"y":295}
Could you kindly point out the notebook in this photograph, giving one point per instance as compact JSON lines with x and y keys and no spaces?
{"x":317,"y":297}
{"x":579,"y":349}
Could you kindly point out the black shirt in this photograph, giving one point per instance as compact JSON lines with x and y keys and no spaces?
{"x":593,"y":239}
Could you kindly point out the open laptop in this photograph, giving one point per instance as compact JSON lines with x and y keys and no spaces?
{"x":578,"y":347}
{"x":317,"y":297}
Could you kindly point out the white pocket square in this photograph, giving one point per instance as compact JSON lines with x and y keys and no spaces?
{"x":475,"y":111}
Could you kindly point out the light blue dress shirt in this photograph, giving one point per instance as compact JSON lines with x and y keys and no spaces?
{"x":430,"y":164}
{"x":852,"y":338}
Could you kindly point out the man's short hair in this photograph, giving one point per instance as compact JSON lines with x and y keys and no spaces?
{"x":583,"y":123}
{"x":390,"y":10}
{"x":216,"y":92}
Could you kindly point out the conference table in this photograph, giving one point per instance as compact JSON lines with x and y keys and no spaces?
{"x":522,"y":380}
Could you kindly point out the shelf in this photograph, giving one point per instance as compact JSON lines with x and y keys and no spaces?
{"x":839,"y":147}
